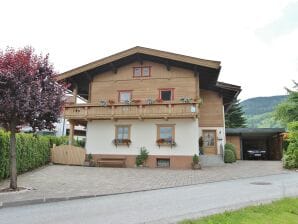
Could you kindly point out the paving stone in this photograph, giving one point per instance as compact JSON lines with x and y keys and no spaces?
{"x":58,"y":181}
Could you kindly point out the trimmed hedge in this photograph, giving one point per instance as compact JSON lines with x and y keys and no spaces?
{"x":229,"y":156}
{"x":230,"y":153}
{"x":32,"y":151}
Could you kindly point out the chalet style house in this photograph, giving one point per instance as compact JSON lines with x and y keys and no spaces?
{"x":143,"y":97}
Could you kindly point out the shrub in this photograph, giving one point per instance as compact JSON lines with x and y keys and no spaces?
{"x":290,"y":158}
{"x":32,"y":151}
{"x":229,"y":156}
{"x":231,"y":147}
{"x":195,"y":159}
{"x":142,"y":157}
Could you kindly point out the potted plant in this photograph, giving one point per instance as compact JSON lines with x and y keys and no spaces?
{"x":103,"y":103}
{"x":150,"y":101}
{"x":159,"y":100}
{"x":195,"y":162}
{"x":111,"y":102}
{"x":185,"y":99}
{"x":142,"y":157}
{"x":90,"y":159}
{"x":136,"y":101}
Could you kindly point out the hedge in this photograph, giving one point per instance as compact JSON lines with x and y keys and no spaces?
{"x":230,"y":153}
{"x":229,"y":156}
{"x":32,"y":151}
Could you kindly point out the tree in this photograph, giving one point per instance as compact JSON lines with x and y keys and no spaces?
{"x":287,"y":111}
{"x":29,"y":95}
{"x":234,"y":118}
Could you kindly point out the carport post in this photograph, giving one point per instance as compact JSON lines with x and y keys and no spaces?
{"x":241,"y":147}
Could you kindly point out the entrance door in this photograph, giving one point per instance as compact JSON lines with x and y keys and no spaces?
{"x":209,"y":139}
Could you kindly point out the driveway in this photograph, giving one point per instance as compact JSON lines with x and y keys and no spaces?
{"x":158,"y":206}
{"x":57,"y":181}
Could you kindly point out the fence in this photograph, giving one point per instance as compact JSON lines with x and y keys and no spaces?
{"x":68,"y":154}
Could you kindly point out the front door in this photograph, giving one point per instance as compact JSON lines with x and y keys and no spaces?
{"x":209,"y":142}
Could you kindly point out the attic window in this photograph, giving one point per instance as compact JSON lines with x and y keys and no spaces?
{"x":141,"y":71}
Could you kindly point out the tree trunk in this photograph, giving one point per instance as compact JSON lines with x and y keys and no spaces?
{"x":13,"y":156}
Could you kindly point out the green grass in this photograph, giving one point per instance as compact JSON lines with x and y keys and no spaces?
{"x":284,"y":211}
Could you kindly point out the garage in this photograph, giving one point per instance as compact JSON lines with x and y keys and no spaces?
{"x":256,"y":143}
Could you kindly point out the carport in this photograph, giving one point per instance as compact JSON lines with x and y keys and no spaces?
{"x":267,"y":139}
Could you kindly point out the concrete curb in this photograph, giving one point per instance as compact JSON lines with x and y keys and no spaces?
{"x":60,"y":199}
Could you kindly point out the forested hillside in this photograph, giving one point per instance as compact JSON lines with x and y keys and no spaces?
{"x":259,"y":111}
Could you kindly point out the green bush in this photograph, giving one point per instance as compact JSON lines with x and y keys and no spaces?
{"x":229,"y":156}
{"x":141,"y":159}
{"x":195,"y":159}
{"x":290,"y":158}
{"x":57,"y":140}
{"x":32,"y":151}
{"x":231,"y":147}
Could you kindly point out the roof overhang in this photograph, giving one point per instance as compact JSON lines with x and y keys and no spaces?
{"x":254,"y":132}
{"x":229,"y":93}
{"x":141,"y":53}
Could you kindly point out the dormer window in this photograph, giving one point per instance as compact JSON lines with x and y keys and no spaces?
{"x":143,"y":71}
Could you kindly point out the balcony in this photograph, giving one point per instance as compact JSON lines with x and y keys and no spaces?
{"x":122,"y":111}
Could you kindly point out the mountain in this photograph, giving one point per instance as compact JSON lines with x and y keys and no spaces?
{"x":259,"y":111}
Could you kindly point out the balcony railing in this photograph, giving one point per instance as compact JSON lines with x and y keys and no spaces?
{"x":122,"y":111}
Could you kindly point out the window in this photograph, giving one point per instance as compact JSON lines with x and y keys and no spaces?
{"x":122,"y":132}
{"x":165,"y":134}
{"x":163,"y":162}
{"x":141,"y":71}
{"x":124,"y":96}
{"x":166,"y":94}
{"x":209,"y":138}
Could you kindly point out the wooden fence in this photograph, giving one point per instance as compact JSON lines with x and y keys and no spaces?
{"x":68,"y":154}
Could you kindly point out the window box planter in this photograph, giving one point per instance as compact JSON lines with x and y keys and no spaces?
{"x":185,"y":99}
{"x":117,"y":142}
{"x":165,"y":142}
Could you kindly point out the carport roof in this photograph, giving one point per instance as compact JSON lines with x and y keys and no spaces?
{"x":254,"y":131}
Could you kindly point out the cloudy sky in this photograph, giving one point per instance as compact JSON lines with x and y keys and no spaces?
{"x":256,"y":41}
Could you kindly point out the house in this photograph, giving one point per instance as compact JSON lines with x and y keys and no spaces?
{"x":149,"y":98}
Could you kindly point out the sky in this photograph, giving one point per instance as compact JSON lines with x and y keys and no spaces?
{"x":255,"y":40}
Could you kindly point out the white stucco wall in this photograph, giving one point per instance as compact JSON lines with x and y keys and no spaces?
{"x":220,"y":135}
{"x":100,"y":135}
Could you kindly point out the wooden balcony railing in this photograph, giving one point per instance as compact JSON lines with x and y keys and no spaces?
{"x":121,"y":111}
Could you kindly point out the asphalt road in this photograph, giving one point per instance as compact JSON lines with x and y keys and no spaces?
{"x":158,"y":206}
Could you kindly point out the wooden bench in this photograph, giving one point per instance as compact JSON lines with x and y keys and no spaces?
{"x":112,"y":162}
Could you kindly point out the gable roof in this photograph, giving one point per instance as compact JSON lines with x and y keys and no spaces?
{"x":137,"y":51}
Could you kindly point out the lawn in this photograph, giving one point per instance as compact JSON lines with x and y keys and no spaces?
{"x":284,"y":211}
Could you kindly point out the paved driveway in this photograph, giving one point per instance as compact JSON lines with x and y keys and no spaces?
{"x":68,"y":181}
{"x":159,"y":206}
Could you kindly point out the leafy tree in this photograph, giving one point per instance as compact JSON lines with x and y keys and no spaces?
{"x":235,"y":116}
{"x":28,"y":95}
{"x":287,"y":111}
